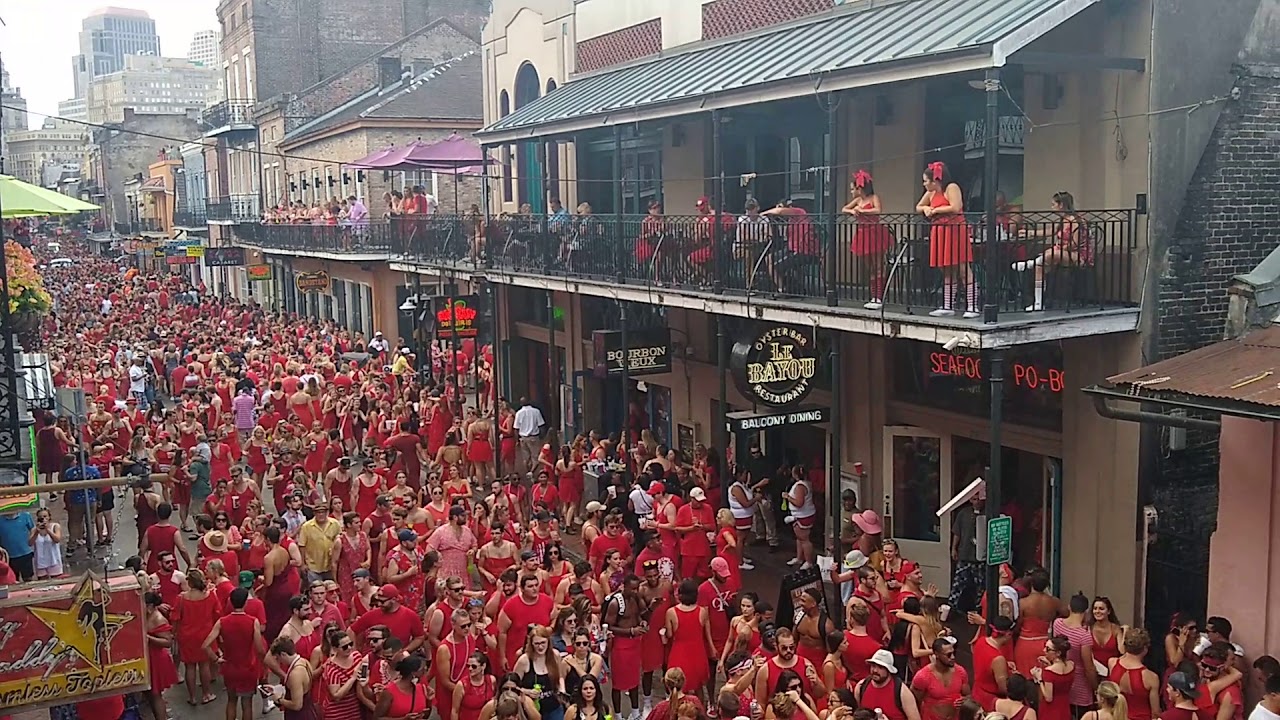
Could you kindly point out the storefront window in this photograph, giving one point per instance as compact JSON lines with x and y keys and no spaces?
{"x":917,"y":487}
{"x":956,"y":380}
{"x":530,"y":305}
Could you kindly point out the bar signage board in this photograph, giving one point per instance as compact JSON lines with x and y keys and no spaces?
{"x":648,"y":351}
{"x":224,"y":257}
{"x":67,"y":641}
{"x":776,"y":367}
{"x":317,"y":281}
{"x":456,"y":313}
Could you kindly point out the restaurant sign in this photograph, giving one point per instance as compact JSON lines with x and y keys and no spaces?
{"x":68,"y":641}
{"x":258,"y":273}
{"x":458,"y":314}
{"x":648,"y":351}
{"x":312,"y":281}
{"x":776,"y":368}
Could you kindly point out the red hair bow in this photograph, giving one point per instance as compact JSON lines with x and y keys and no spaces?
{"x":936,"y":168}
{"x":861,"y":178}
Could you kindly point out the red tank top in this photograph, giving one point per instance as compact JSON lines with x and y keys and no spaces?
{"x":458,"y":654}
{"x":237,"y":643}
{"x":1137,"y":697}
{"x":882,"y":698}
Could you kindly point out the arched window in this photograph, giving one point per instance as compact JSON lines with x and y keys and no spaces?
{"x":551,"y":85}
{"x":508,"y":182}
{"x":528,"y":88}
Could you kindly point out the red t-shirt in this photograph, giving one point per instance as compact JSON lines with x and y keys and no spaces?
{"x":522,"y":615}
{"x":695,"y":543}
{"x":403,"y":623}
{"x":860,"y":650}
{"x":717,"y":604}
{"x":603,"y":544}
{"x":939,"y":701}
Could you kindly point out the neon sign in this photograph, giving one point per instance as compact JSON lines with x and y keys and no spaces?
{"x":1024,"y":375}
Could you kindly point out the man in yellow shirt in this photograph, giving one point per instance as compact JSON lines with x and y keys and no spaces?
{"x":317,"y":537}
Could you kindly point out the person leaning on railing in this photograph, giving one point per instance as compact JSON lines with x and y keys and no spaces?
{"x":1071,"y":247}
{"x":800,"y":260}
{"x":647,"y":243}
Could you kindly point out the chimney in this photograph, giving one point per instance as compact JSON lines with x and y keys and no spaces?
{"x":422,"y":65}
{"x":388,"y":71}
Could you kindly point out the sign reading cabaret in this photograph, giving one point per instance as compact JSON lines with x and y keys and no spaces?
{"x":223,"y":257}
{"x":457,"y":314}
{"x":71,"y":640}
{"x":777,"y":368}
{"x":312,"y":281}
{"x":648,"y":351}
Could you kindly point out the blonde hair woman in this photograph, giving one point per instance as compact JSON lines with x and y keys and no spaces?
{"x":1111,"y":703}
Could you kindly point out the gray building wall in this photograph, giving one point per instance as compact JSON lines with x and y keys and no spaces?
{"x":125,"y":153}
{"x":1215,"y":176}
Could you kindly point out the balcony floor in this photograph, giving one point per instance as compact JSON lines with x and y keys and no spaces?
{"x":894,"y":320}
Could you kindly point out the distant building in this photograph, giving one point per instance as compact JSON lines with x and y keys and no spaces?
{"x":107,"y":37}
{"x":32,"y":153}
{"x":204,"y":48}
{"x":127,"y":150}
{"x":14,"y":115}
{"x":152,"y":85}
{"x":74,"y":109}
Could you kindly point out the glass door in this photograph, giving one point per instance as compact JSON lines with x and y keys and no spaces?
{"x":917,"y":481}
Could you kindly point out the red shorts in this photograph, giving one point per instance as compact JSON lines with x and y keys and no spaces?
{"x":694,"y":566}
{"x":743,"y":523}
{"x":806,"y":523}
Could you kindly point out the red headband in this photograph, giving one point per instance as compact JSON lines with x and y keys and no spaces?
{"x":861,"y":179}
{"x":936,"y":168}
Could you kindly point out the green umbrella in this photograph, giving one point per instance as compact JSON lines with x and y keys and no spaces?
{"x":22,"y":199}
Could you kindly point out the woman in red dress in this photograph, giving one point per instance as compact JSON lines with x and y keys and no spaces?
{"x":480,"y":450}
{"x":159,"y":641}
{"x":316,"y":452}
{"x":474,"y":690}
{"x":194,"y":615}
{"x":871,"y":239}
{"x":256,"y":453}
{"x":368,"y":487}
{"x":729,"y":547}
{"x":570,"y":481}
{"x":950,"y":246}
{"x":690,"y":636}
{"x":1055,"y":679}
{"x":507,"y":431}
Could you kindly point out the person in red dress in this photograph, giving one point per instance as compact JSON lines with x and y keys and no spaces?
{"x":162,"y":537}
{"x":991,"y":662}
{"x":480,"y":450}
{"x":569,"y":479}
{"x":164,"y":674}
{"x":236,"y":642}
{"x":529,"y":607}
{"x":474,"y":690}
{"x":872,"y":238}
{"x":689,"y":634}
{"x":194,"y":615}
{"x":950,"y":246}
{"x":1054,"y":680}
{"x":696,"y":524}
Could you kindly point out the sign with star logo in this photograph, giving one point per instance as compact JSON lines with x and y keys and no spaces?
{"x":72,"y":640}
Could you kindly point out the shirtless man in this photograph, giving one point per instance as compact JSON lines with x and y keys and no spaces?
{"x":812,"y":629}
{"x":655,"y":591}
{"x":622,"y":615}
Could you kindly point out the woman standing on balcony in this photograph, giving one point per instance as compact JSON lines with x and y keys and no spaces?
{"x":871,"y":239}
{"x":1070,"y":249}
{"x":950,"y":247}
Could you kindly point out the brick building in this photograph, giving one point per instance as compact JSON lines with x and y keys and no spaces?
{"x":125,"y":150}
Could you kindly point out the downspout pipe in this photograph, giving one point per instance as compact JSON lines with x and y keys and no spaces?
{"x":1106,"y":410}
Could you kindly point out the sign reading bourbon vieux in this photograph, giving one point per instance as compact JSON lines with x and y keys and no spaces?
{"x":777,"y":368}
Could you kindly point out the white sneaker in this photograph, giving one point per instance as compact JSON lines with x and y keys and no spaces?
{"x":873,"y":305}
{"x":971,"y":314}
{"x":268,"y":707}
{"x":942,"y":312}
{"x":806,"y":565}
{"x":793,"y":562}
{"x":747,"y":566}
{"x":1023,"y":265}
{"x":1035,"y":307}
{"x":635,"y":714}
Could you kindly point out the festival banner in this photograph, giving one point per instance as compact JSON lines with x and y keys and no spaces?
{"x":66,"y":641}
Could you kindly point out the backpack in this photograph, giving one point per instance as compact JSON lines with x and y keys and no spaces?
{"x":861,"y":688}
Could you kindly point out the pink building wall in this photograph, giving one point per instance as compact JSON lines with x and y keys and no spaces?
{"x":1244,"y":555}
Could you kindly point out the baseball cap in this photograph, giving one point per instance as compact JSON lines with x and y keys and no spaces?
{"x":697,"y":494}
{"x":657,"y":488}
{"x":594,"y":506}
{"x":246,"y":579}
{"x":389,"y":592}
{"x":720,"y":567}
{"x":703,"y":201}
{"x":407,"y":535}
{"x":1183,"y":683}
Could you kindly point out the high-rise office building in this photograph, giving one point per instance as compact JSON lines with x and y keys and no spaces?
{"x":106,"y":38}
{"x":204,"y":48}
{"x":153,"y":85}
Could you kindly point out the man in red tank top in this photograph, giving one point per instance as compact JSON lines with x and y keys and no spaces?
{"x":240,"y":642}
{"x":451,"y":656}
{"x":941,"y":683}
{"x":860,"y":645}
{"x":787,"y":659}
{"x":529,"y":607}
{"x":883,"y":691}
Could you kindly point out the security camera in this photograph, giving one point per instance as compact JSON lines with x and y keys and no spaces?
{"x":966,"y":340}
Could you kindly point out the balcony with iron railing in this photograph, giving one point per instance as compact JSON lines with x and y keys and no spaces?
{"x":233,"y":209}
{"x":227,"y":116}
{"x":193,"y":216}
{"x":138,"y":225}
{"x":901,"y":263}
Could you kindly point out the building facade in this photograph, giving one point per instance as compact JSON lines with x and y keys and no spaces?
{"x":127,"y":150}
{"x":106,"y":38}
{"x":206,"y":48}
{"x":152,"y":85}
{"x":55,"y":144}
{"x":75,"y":109}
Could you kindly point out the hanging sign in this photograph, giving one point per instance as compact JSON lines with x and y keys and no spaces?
{"x":318,"y":281}
{"x":775,"y":368}
{"x":648,"y":351}
{"x":257,"y":273}
{"x":223,"y":257}
{"x":67,"y":641}
{"x":456,"y":314}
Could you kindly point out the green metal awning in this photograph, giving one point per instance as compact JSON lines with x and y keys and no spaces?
{"x":862,"y":45}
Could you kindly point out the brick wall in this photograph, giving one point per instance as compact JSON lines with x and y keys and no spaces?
{"x":440,"y":42}
{"x":620,"y":46}
{"x":128,"y":153}
{"x":723,"y":18}
{"x":1229,"y":223}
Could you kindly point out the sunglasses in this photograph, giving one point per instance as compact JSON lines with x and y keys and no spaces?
{"x":464,"y":626}
{"x":346,"y":646}
{"x":796,"y":687}
{"x":375,"y":639}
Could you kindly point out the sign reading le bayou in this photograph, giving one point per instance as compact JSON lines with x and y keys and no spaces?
{"x":777,"y":368}
{"x":71,"y":640}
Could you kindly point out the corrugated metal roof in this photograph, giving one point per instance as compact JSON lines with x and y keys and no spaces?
{"x":903,"y":31}
{"x":1245,"y":370}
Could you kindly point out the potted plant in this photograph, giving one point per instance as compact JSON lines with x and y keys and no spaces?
{"x":29,"y":301}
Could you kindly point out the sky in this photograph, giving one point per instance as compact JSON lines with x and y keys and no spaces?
{"x":39,"y":38}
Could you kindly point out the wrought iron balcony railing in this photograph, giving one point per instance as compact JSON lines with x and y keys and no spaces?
{"x":1037,"y":260}
{"x":138,"y":225}
{"x":191,"y":217}
{"x":233,"y":208}
{"x":228,"y":114}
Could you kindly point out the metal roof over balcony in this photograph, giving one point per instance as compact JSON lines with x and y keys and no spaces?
{"x":844,"y":49}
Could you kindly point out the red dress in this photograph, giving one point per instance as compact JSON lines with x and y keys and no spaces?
{"x":507,"y":429}
{"x":240,"y":669}
{"x":1060,"y":707}
{"x":571,"y":485}
{"x":480,"y":446}
{"x":194,"y":621}
{"x":871,"y":237}
{"x":474,"y":698}
{"x":163,"y":673}
{"x":949,"y":241}
{"x":689,"y":650}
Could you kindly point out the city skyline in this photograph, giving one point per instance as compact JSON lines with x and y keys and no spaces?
{"x":39,"y":45}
